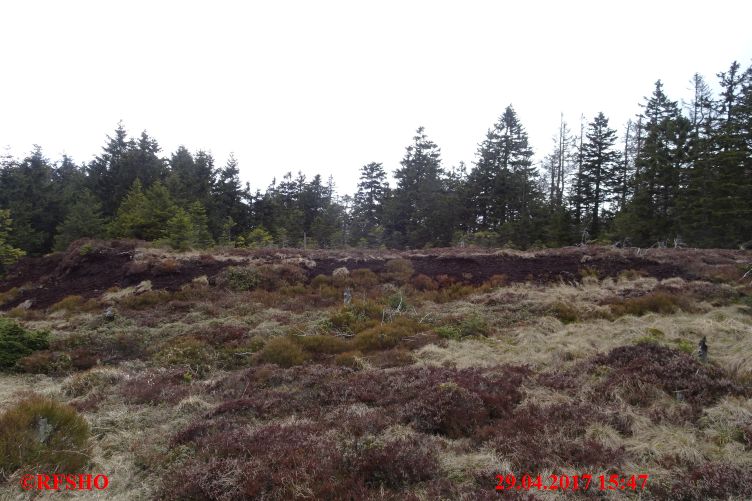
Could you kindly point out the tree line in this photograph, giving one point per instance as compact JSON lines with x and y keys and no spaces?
{"x":679,"y":174}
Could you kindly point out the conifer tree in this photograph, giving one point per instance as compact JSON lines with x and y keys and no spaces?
{"x":200,"y":222}
{"x":180,"y":232}
{"x":599,"y":165}
{"x":84,"y":219}
{"x":8,"y":253}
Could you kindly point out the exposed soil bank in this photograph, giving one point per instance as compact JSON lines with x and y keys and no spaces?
{"x":89,"y":268}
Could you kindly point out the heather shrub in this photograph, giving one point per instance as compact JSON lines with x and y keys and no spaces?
{"x":396,"y":463}
{"x":561,"y":427}
{"x":448,"y":409}
{"x":155,"y":386}
{"x":42,"y":435}
{"x":665,"y":368}
{"x":17,"y":342}
{"x":282,"y":351}
{"x":363,"y":277}
{"x":711,"y":480}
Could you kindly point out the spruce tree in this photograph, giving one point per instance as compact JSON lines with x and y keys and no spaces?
{"x":599,"y":165}
{"x":179,"y":231}
{"x":8,"y":253}
{"x":84,"y":219}
{"x":200,"y":222}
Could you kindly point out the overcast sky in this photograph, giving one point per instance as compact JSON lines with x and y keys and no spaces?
{"x":325,"y":87}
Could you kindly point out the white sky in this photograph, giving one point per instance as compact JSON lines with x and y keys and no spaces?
{"x":325,"y":87}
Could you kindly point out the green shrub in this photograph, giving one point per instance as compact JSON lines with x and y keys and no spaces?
{"x":282,"y":351}
{"x":42,"y":435}
{"x":16,"y":343}
{"x":239,"y":278}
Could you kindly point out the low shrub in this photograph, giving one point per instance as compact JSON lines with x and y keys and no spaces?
{"x":354,"y":318}
{"x":188,"y":351}
{"x":388,"y":335}
{"x":349,"y":359}
{"x":396,"y":463}
{"x":155,"y":386}
{"x":710,"y":481}
{"x":282,"y":351}
{"x":364,"y":278}
{"x":239,"y":278}
{"x":75,"y":303}
{"x":43,"y":435}
{"x":654,"y":302}
{"x":424,"y":283}
{"x":448,"y":409}
{"x":146,"y":299}
{"x":17,"y":342}
{"x":398,"y":270}
{"x":45,"y":362}
{"x":665,"y":368}
{"x":323,"y":345}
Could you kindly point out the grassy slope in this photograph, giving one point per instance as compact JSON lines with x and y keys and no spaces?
{"x":172,"y":361}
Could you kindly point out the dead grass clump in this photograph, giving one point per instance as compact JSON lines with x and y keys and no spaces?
{"x":565,"y":312}
{"x":283,"y":351}
{"x":454,"y":292}
{"x":654,"y":302}
{"x":349,"y":359}
{"x":668,"y":369}
{"x":42,"y":435}
{"x":84,"y":383}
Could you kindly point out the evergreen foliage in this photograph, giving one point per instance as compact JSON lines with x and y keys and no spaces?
{"x":677,"y":174}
